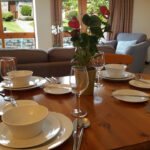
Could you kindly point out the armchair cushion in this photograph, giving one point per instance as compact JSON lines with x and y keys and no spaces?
{"x":123,"y":46}
{"x":140,"y":37}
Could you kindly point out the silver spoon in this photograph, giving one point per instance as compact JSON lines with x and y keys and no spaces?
{"x":83,"y":123}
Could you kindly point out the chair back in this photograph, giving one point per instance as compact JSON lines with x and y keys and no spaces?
{"x":118,"y":59}
{"x":139,"y":37}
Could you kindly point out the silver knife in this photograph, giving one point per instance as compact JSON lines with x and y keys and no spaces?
{"x":143,"y":81}
{"x":146,"y":96}
{"x":75,"y":124}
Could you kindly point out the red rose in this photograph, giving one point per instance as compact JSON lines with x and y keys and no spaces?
{"x":104,"y":11}
{"x":74,"y":32}
{"x":74,"y":23}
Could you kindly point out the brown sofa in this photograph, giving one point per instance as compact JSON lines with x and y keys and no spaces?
{"x":55,"y":62}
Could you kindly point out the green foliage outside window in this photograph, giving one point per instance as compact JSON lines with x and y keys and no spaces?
{"x":93,"y":7}
{"x":26,"y":10}
{"x":71,"y":9}
{"x":70,"y":4}
{"x":7,"y":16}
{"x":69,"y":14}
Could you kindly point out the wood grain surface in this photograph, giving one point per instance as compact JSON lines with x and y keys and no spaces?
{"x":115,"y":125}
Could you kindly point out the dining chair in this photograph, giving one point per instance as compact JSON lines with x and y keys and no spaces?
{"x":118,"y":59}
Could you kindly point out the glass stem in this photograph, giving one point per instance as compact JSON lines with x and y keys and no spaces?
{"x":98,"y":80}
{"x":10,"y":91}
{"x":78,"y":102}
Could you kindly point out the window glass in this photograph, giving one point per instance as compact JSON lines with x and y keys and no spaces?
{"x":69,"y":9}
{"x":93,"y":6}
{"x":17,"y":15}
{"x":19,"y":43}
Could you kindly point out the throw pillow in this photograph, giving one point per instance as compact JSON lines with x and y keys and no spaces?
{"x":123,"y":46}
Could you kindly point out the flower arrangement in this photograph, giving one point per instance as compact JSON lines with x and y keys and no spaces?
{"x":86,"y":42}
{"x":56,"y":29}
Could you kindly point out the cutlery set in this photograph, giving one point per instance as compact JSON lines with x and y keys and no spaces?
{"x":81,"y":123}
{"x":142,"y":81}
{"x":132,"y":95}
{"x":52,"y":80}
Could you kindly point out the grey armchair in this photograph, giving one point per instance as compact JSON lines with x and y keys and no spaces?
{"x":134,"y":44}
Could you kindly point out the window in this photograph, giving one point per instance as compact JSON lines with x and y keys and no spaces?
{"x":78,"y":8}
{"x":17,"y":24}
{"x":69,"y":9}
{"x":19,"y":43}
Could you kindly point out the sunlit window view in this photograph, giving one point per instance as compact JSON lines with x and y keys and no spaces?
{"x":17,"y":24}
{"x":93,"y":6}
{"x":17,"y":15}
{"x":70,"y":8}
{"x":19,"y":43}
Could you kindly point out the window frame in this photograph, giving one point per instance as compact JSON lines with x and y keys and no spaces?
{"x":4,"y":35}
{"x":82,"y":8}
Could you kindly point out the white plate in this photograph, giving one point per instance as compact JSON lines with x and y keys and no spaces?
{"x":127,"y":76}
{"x":139,"y":84}
{"x":6,"y":105}
{"x":34,"y":83}
{"x":57,"y":89}
{"x":63,"y":135}
{"x":50,"y":129}
{"x":131,"y":99}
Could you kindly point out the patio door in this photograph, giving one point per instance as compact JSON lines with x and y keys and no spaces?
{"x":16,"y":24}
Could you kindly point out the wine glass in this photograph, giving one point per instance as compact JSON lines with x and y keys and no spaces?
{"x":99,"y":63}
{"x":79,"y":82}
{"x":7,"y":64}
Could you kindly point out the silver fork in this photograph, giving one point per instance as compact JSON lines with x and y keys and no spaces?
{"x":13,"y":102}
{"x":52,"y":80}
{"x":139,"y":79}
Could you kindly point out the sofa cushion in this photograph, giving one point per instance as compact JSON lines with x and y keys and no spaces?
{"x":123,"y":46}
{"x":60,"y":54}
{"x":25,"y":55}
{"x":139,"y":37}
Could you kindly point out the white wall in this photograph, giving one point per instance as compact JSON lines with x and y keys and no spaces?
{"x":141,"y":17}
{"x":42,"y":24}
{"x":141,"y":20}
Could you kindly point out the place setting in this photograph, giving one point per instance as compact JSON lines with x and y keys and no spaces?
{"x":140,"y":83}
{"x":132,"y":96}
{"x":116,"y":72}
{"x":40,"y":129}
{"x":57,"y":89}
{"x":22,"y":80}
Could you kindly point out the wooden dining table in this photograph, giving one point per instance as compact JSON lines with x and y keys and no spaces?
{"x":115,"y":125}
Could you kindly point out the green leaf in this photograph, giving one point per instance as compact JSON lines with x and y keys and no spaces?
{"x":86,"y":19}
{"x":97,"y":31}
{"x":95,"y":21}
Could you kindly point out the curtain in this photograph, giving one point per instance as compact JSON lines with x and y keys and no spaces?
{"x":121,"y":15}
{"x":56,"y":19}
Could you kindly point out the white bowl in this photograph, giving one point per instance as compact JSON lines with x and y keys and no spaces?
{"x":20,"y":78}
{"x":25,"y":121}
{"x":115,"y":70}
